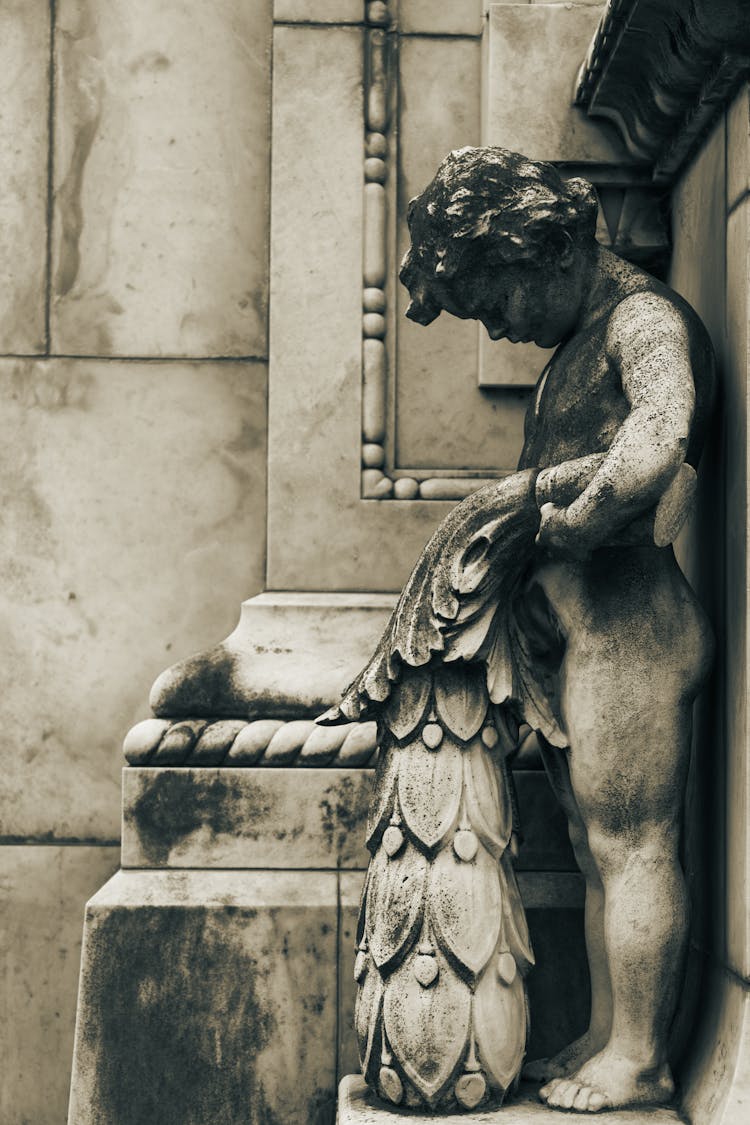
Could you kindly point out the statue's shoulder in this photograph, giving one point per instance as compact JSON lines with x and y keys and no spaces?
{"x":650,"y":313}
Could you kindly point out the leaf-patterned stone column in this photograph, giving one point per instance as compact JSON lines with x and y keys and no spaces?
{"x":442,"y":944}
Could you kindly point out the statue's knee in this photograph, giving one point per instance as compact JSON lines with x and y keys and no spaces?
{"x":651,"y":844}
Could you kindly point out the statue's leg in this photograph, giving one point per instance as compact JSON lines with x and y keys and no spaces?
{"x":627,"y":701}
{"x":571,"y":1057}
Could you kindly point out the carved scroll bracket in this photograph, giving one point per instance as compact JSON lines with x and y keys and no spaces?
{"x":662,"y":72}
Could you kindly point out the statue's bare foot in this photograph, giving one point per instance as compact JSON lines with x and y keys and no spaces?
{"x":608,"y":1081}
{"x":566,"y":1061}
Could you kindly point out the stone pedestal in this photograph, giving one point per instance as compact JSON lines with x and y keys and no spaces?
{"x":207,"y":996}
{"x":358,"y":1106}
{"x":216,"y":975}
{"x":209,"y":985}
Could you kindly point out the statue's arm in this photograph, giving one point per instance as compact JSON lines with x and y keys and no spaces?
{"x":648,"y":343}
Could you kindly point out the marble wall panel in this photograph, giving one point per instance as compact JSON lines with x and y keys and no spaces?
{"x":459,"y":17}
{"x":24,"y":90}
{"x":133,"y":506}
{"x":318,"y":11}
{"x":321,"y":535}
{"x":715,"y":1077}
{"x":442,"y":419}
{"x":738,"y":750}
{"x":43,"y":891}
{"x":738,"y":147}
{"x":712,"y":548}
{"x":698,"y":221}
{"x":161,"y":178}
{"x":540,"y":48}
{"x":503,"y":364}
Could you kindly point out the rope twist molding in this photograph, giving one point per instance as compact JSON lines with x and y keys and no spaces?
{"x":260,"y":742}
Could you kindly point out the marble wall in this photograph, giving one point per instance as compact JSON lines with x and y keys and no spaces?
{"x":711,"y":232}
{"x":133,"y":325}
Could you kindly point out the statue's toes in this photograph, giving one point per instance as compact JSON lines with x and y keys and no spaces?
{"x":597,"y":1101}
{"x":581,"y":1100}
{"x":553,"y":1090}
{"x":565,"y":1095}
{"x":586,"y":1099}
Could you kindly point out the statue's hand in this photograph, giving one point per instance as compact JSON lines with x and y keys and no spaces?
{"x":560,"y":535}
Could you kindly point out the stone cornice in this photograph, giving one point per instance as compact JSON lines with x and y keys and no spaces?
{"x":662,"y":70}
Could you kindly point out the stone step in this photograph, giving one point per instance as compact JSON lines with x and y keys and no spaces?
{"x":358,"y":1106}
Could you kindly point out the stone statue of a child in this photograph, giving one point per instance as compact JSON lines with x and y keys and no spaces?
{"x":503,"y":240}
{"x":616,"y":644}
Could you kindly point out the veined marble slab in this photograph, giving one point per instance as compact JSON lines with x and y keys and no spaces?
{"x":133,"y":507}
{"x":24,"y":91}
{"x":161,"y":178}
{"x":540,"y":47}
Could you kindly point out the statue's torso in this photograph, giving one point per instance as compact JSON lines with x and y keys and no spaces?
{"x":579,"y":403}
{"x":578,"y":407}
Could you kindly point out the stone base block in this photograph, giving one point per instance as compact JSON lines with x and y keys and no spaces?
{"x":244,"y":818}
{"x":357,"y":1106}
{"x":208,"y":996}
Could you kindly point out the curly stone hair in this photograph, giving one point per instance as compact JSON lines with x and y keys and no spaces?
{"x":492,"y":205}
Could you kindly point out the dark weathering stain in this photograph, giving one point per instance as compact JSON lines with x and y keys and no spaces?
{"x":341,"y":810}
{"x":201,"y":685}
{"x":175,"y":1018}
{"x":173,"y":806}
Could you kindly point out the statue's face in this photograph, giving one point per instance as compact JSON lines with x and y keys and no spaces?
{"x":521,"y":303}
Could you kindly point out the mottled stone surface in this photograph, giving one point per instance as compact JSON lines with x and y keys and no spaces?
{"x":441,"y":422}
{"x":24,"y":89}
{"x":293,"y":818}
{"x":249,"y":818}
{"x":502,"y":364}
{"x":161,"y":178}
{"x":738,"y":147}
{"x":319,"y":11}
{"x":321,"y":536}
{"x":208,"y":996}
{"x":128,"y":541}
{"x":290,"y":657}
{"x":42,"y":895}
{"x":540,"y":48}
{"x":459,"y":17}
{"x":290,"y":818}
{"x":350,"y":891}
{"x":716,"y":1071}
{"x":738,"y":767}
{"x":357,"y":1106}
